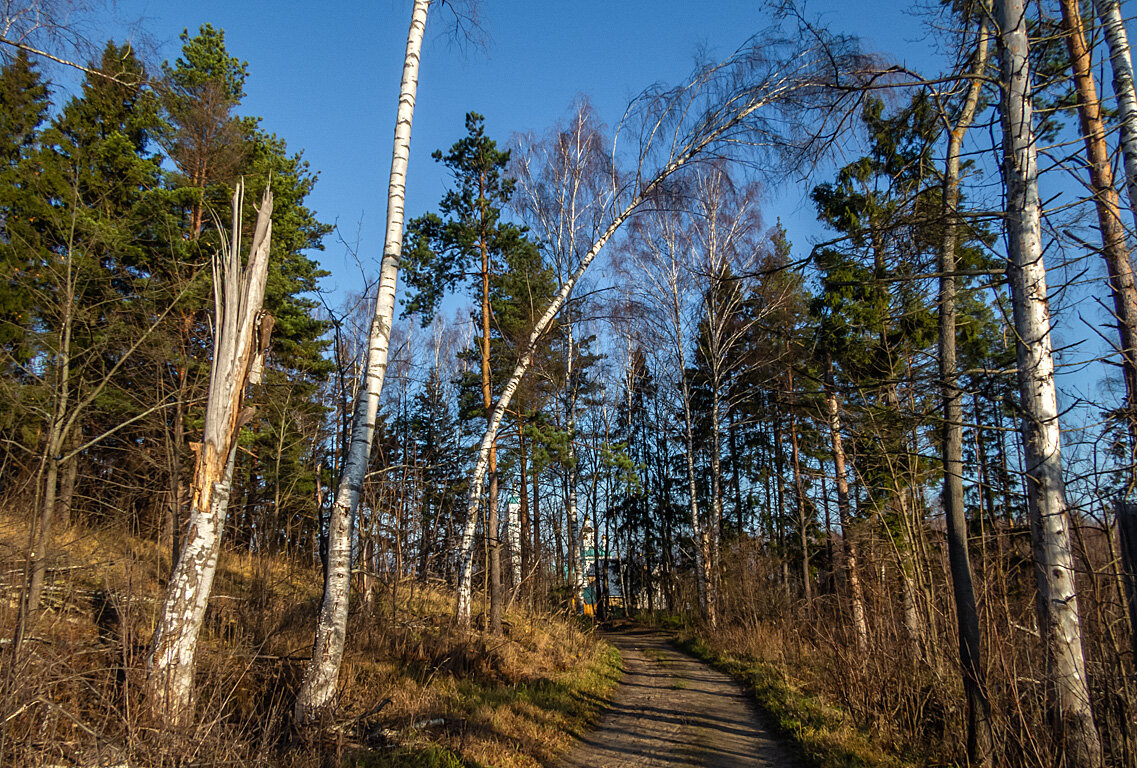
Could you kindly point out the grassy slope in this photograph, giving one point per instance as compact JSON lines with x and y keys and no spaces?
{"x":447,"y":698}
{"x":475,"y":700}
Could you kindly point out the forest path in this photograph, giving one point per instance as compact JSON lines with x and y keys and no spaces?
{"x":673,"y":711}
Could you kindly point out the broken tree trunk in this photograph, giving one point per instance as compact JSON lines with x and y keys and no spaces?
{"x":239,"y":344}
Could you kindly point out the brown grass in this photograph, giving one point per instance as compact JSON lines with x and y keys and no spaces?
{"x":414,"y":690}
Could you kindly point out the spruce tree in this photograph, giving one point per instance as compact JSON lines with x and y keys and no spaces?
{"x":24,"y":106}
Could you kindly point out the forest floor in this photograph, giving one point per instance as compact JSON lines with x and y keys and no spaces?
{"x":413,"y":690}
{"x":673,"y":711}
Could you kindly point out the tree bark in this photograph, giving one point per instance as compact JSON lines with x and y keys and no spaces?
{"x":699,"y":534}
{"x":1059,"y":622}
{"x":318,"y":691}
{"x":979,"y":736}
{"x":1127,"y":539}
{"x":38,"y":553}
{"x":849,"y":547}
{"x":714,"y":525}
{"x":799,"y":491}
{"x":1108,"y":206}
{"x":238,"y":296}
{"x":576,"y":561}
{"x":70,"y":469}
{"x":526,"y":544}
{"x":1120,"y":59}
{"x":538,"y":553}
{"x":493,"y":539}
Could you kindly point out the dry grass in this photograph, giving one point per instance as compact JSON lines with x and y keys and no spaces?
{"x":515,"y":700}
{"x":823,"y":734}
{"x":902,"y":697}
{"x":413,"y":690}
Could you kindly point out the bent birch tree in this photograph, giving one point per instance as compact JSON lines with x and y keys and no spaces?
{"x":238,"y":347}
{"x":565,"y":182}
{"x":318,"y":691}
{"x":760,"y":100}
{"x":980,"y":741}
{"x":1059,"y":623}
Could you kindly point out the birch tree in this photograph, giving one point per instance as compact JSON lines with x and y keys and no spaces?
{"x":979,"y":738}
{"x":661,"y":280}
{"x":565,"y":181}
{"x":1059,"y":622}
{"x":687,"y":266}
{"x":758,"y":101}
{"x":318,"y":690}
{"x":239,"y":345}
{"x":54,"y":30}
{"x":725,"y":250}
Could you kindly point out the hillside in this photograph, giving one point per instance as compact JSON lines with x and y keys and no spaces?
{"x":414,"y":691}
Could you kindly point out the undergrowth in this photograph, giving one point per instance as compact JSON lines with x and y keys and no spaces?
{"x":415,"y":690}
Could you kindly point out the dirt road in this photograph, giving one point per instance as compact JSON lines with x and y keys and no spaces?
{"x":672,"y":711}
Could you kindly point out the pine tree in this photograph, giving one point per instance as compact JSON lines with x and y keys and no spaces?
{"x":877,"y":324}
{"x":203,"y":137}
{"x":470,"y":241}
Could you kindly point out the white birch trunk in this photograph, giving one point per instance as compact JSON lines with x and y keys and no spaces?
{"x":713,"y":565}
{"x":1121,"y":61}
{"x":700,"y":535}
{"x":576,"y":556}
{"x":700,"y":538}
{"x":318,"y":691}
{"x":576,"y":550}
{"x":238,"y":297}
{"x":513,"y":536}
{"x":1046,"y":491}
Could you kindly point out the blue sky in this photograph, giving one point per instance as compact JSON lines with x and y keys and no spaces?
{"x":325,"y":78}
